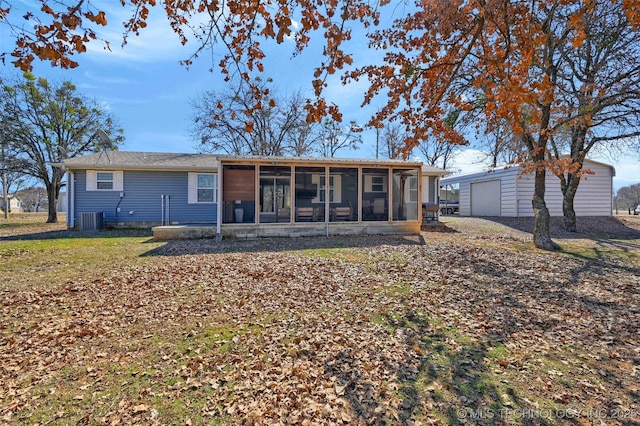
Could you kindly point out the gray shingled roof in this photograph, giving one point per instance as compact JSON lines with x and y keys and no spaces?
{"x":143,"y":160}
{"x":127,"y":160}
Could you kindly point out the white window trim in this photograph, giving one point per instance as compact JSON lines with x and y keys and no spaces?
{"x":193,"y":188}
{"x":92,"y":180}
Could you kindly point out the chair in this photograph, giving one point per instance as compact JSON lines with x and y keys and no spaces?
{"x":379,"y":208}
{"x":304,"y":214}
{"x":342,"y":213}
{"x":367,"y":210}
{"x":284,"y":214}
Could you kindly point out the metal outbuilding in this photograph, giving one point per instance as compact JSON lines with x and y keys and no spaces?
{"x":507,"y":192}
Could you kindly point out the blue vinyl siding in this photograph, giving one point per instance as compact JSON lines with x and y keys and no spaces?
{"x":142,"y":196}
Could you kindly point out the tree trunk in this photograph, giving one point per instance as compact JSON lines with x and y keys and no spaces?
{"x":541,"y":229}
{"x":52,"y":195}
{"x":567,"y":203}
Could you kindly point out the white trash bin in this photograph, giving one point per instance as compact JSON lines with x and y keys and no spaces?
{"x":239,"y":215}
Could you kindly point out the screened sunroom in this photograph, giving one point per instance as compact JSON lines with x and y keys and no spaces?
{"x":284,"y":196}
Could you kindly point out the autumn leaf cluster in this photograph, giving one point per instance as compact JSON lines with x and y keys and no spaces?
{"x":434,"y":54}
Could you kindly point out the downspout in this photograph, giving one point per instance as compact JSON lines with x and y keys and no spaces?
{"x":168,"y":203}
{"x":5,"y":192}
{"x":71,"y":196}
{"x":161,"y":209}
{"x":118,"y":206}
{"x":613,"y":174}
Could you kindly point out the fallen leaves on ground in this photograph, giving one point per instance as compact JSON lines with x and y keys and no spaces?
{"x":353,"y":330}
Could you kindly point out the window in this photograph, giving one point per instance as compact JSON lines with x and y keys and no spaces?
{"x":104,"y":180}
{"x":206,"y":189}
{"x":334,"y":188}
{"x":375,"y":183}
{"x":203,"y":188}
{"x":322,"y":190}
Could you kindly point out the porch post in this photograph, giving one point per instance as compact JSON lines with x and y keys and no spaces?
{"x":360,"y":193}
{"x":437,"y":197}
{"x":390,"y":193}
{"x":256,"y":193}
{"x":327,"y":201}
{"x":420,"y":201}
{"x":219,"y":204}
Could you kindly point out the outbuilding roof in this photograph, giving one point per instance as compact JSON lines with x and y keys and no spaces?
{"x":509,"y":168}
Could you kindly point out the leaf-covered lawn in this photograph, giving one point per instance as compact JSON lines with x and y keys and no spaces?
{"x":445,"y":329}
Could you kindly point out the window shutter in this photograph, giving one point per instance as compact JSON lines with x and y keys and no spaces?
{"x":315,"y":179}
{"x":118,"y":181}
{"x":193,"y":188}
{"x":91,"y":180}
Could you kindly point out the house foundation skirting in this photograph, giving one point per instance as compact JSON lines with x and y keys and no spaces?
{"x":192,"y":232}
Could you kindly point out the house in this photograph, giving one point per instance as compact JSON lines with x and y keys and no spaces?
{"x":507,"y":192}
{"x":14,"y":203}
{"x":191,"y":195}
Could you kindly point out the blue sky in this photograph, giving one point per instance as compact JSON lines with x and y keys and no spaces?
{"x":151,"y":94}
{"x":143,"y":85}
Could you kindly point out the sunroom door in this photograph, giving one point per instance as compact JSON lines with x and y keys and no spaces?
{"x":275,"y":195}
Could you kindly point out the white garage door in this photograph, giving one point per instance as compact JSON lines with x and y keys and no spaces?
{"x":485,"y":198}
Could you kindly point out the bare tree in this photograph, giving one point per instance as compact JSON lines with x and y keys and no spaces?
{"x":628,"y":197}
{"x":335,"y":136}
{"x":599,"y":85}
{"x":234,"y":122}
{"x":501,"y":145}
{"x":33,"y":199}
{"x":390,"y":140}
{"x":438,"y":152}
{"x":393,"y":140}
{"x":302,"y":138}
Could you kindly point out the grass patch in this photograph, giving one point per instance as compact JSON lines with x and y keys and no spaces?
{"x":590,"y":253}
{"x":341,"y":254}
{"x":370,"y":260}
{"x":40,"y":263}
